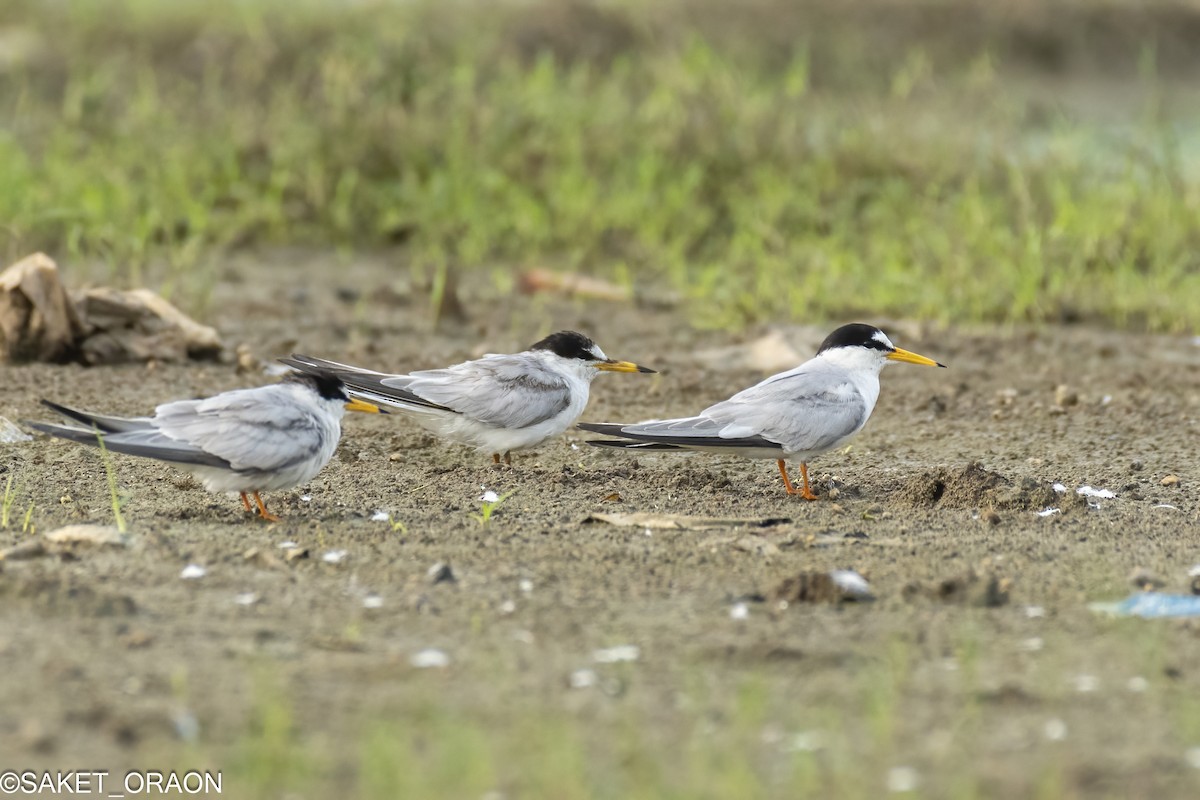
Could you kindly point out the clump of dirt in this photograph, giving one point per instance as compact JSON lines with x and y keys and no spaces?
{"x":817,"y":587}
{"x":970,"y":589}
{"x":973,"y":486}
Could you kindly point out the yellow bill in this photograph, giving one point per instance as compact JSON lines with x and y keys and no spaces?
{"x":362,"y":405}
{"x":912,"y":358}
{"x":622,"y":366}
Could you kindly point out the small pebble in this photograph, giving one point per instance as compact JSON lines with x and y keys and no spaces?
{"x":1170,"y":480}
{"x":372,"y":601}
{"x":1055,"y":730}
{"x":1085,"y":683}
{"x":334,"y":557}
{"x":614,"y":655}
{"x":440,"y":573}
{"x":1138,"y":684}
{"x":246,"y":598}
{"x":583,"y":679}
{"x":429,"y":658}
{"x":193,"y":572}
{"x":380,"y":516}
{"x":1065,"y":396}
{"x":739,"y":611}
{"x":902,"y":779}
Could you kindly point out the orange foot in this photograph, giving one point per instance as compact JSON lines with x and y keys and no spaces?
{"x":262,"y":510}
{"x":805,"y":492}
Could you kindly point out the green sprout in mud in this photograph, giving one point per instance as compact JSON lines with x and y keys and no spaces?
{"x":397,"y":526}
{"x":10,"y":496}
{"x":27,"y":526}
{"x":116,"y":498}
{"x":489,"y":502}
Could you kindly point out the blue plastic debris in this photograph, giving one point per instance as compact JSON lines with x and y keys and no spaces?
{"x":1152,"y":605}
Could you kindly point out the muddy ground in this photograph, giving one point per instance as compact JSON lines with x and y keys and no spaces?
{"x":109,"y":657}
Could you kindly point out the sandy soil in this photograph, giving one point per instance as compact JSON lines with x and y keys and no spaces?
{"x":105,"y":653}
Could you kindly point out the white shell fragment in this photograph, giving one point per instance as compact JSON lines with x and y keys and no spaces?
{"x":1049,"y":512}
{"x":853,"y":585}
{"x":246,"y":598}
{"x":372,"y":601}
{"x":334,"y":556}
{"x":902,"y":779}
{"x":739,"y":611}
{"x":193,"y":572}
{"x":489,"y":497}
{"x":583,"y":679}
{"x":1060,"y":488}
{"x":614,"y":655}
{"x":429,"y":659}
{"x":380,"y":516}
{"x":1089,"y":491}
{"x":1055,"y":730}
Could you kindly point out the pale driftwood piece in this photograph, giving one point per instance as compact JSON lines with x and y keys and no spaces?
{"x":138,"y":325}
{"x":38,"y":320}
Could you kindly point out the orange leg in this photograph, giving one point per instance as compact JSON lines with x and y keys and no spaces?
{"x":508,"y":458}
{"x":246,"y":502}
{"x":262,"y":510}
{"x":496,"y":458}
{"x":806,"y":492}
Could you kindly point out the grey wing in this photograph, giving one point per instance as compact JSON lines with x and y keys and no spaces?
{"x":260,"y":429}
{"x":506,"y":391}
{"x":798,"y":411}
{"x":802,"y":410}
{"x":145,"y":443}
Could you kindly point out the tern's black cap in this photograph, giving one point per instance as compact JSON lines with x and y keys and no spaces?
{"x":856,"y":334}
{"x":568,"y":344}
{"x":326,"y":384}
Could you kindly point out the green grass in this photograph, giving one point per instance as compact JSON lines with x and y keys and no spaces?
{"x":773,"y":166}
{"x":673,"y":730}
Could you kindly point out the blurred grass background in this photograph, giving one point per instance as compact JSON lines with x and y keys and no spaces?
{"x":958,"y":161}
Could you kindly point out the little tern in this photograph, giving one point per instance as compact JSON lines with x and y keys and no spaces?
{"x":495,"y":404}
{"x":801,"y":413}
{"x":246,"y":441}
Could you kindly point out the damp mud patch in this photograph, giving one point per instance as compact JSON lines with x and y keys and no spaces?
{"x":974,"y":486}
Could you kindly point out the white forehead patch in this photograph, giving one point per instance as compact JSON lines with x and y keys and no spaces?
{"x":882,"y":338}
{"x":598,"y":353}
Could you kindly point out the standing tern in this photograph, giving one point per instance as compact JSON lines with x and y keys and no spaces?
{"x":246,"y":441}
{"x":495,"y":404}
{"x":802,"y":413}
